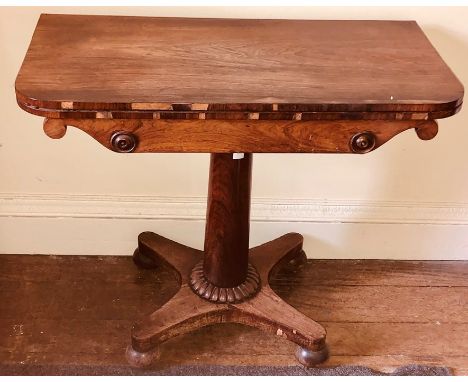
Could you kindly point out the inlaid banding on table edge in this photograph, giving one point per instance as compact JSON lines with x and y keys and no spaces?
{"x":208,"y":291}
{"x":219,"y":115}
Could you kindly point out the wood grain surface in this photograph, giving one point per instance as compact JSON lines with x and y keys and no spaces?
{"x":226,"y":247}
{"x":58,"y":310}
{"x":90,"y":66}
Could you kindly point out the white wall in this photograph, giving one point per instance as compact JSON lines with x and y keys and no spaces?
{"x":406,"y":200}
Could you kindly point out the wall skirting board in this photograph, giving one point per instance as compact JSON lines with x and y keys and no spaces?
{"x":108,"y":225}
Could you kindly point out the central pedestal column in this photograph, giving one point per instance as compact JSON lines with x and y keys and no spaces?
{"x":225,"y":274}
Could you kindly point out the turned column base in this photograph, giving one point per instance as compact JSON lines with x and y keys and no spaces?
{"x":187,"y":311}
{"x":207,"y":290}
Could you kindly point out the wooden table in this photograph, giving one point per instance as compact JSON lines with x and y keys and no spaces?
{"x":232,"y":88}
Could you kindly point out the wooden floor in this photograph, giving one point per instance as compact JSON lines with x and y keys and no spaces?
{"x":57,"y":310}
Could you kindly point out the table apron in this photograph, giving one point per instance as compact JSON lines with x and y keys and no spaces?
{"x":253,"y":136}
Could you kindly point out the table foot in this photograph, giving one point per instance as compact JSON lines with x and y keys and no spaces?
{"x":156,"y":250}
{"x":141,"y":359}
{"x":187,"y":311}
{"x":311,"y":358}
{"x":299,"y":260}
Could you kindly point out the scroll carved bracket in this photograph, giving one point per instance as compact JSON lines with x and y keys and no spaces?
{"x":427,"y":131}
{"x":55,"y":128}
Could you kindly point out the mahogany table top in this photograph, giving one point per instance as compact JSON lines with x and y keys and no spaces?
{"x":144,"y":67}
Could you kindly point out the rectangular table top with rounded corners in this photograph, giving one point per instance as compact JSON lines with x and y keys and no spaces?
{"x":81,"y":66}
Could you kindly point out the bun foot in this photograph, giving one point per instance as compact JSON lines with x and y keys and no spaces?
{"x":311,"y":358}
{"x":143,"y":261}
{"x":299,"y":260}
{"x":138,"y":359}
